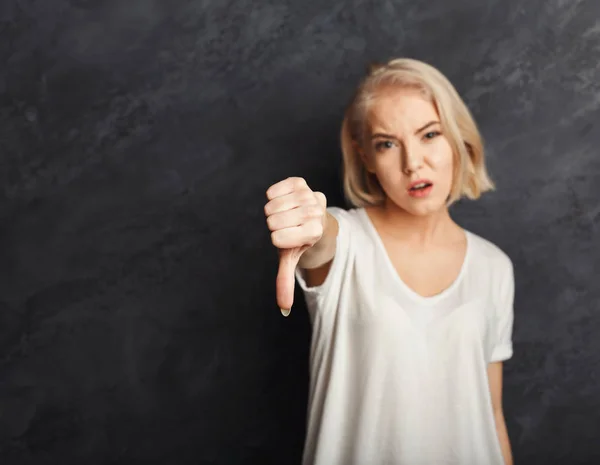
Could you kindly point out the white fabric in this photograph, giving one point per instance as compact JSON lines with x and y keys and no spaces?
{"x":397,"y":378}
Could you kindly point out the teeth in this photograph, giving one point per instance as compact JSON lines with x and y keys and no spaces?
{"x":420,"y":185}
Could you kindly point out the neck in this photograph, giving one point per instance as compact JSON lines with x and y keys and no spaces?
{"x":418,"y":230}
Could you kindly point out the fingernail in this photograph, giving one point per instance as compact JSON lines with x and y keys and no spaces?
{"x":285,"y":312}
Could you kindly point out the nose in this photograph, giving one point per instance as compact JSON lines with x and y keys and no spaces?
{"x":413,"y":159}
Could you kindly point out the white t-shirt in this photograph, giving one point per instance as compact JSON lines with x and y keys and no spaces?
{"x":397,"y":378}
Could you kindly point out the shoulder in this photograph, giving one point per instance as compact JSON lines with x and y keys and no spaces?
{"x":351,"y":217}
{"x":351,"y":213}
{"x":493,"y":271}
{"x":490,"y":255}
{"x":353,"y":227}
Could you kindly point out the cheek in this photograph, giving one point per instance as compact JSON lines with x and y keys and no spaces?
{"x":442,"y":158}
{"x":386,"y":162}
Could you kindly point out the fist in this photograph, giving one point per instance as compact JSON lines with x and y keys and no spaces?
{"x":296,"y":218}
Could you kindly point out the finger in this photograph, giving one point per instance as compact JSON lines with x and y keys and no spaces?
{"x":287,"y":186}
{"x":295,"y":217}
{"x":286,"y":280}
{"x":290,"y":201}
{"x":321,"y":199}
{"x":297,"y":236}
{"x":283,"y":203}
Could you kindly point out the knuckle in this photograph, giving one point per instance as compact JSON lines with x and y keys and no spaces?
{"x":274,"y":206}
{"x":314,"y":230}
{"x":313,"y":211}
{"x":299,"y":183}
{"x":276,"y":239}
{"x":269,"y":192}
{"x":321,"y":199}
{"x":307,"y":197}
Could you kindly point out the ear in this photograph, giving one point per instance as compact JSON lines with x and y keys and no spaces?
{"x":363,"y":156}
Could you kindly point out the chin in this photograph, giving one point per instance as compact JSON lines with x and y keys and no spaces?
{"x":421,"y":211}
{"x":422,"y":207}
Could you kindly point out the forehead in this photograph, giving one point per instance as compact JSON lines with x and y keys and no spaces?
{"x":397,"y":109}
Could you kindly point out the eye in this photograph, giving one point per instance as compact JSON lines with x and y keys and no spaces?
{"x":384,"y":145}
{"x":432,"y":134}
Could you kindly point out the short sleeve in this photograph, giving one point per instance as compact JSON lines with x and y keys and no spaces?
{"x":503,"y":347}
{"x":326,"y":293}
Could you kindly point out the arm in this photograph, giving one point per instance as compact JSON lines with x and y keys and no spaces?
{"x":300,"y":225}
{"x":495,"y":382}
{"x":316,"y":261}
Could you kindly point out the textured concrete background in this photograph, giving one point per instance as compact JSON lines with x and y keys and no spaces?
{"x":138,"y":322}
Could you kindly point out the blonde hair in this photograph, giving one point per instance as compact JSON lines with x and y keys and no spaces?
{"x":470,"y":177}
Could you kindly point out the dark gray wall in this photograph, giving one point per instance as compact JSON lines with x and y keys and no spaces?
{"x":138,"y":322}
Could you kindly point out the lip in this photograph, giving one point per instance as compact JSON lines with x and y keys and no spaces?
{"x":419,"y":181}
{"x":421,"y":192}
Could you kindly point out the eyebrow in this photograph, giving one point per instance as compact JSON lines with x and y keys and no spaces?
{"x":389,"y":136}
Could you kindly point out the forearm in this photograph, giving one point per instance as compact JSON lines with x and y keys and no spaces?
{"x":503,"y":438}
{"x":322,"y":251}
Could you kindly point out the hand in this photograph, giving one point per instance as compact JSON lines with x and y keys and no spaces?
{"x":296,"y":218}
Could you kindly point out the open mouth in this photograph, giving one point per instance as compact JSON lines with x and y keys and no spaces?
{"x":420,"y":186}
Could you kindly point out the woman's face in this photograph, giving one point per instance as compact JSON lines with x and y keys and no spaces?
{"x":405,"y":148}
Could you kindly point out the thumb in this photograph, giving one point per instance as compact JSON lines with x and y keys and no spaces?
{"x":288,"y":260}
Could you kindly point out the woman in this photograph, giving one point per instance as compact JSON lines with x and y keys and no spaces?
{"x":412,"y":315}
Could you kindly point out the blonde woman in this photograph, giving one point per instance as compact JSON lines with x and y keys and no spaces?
{"x":411,"y":314}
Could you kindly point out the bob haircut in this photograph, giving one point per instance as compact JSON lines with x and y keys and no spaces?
{"x":470,"y":178}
